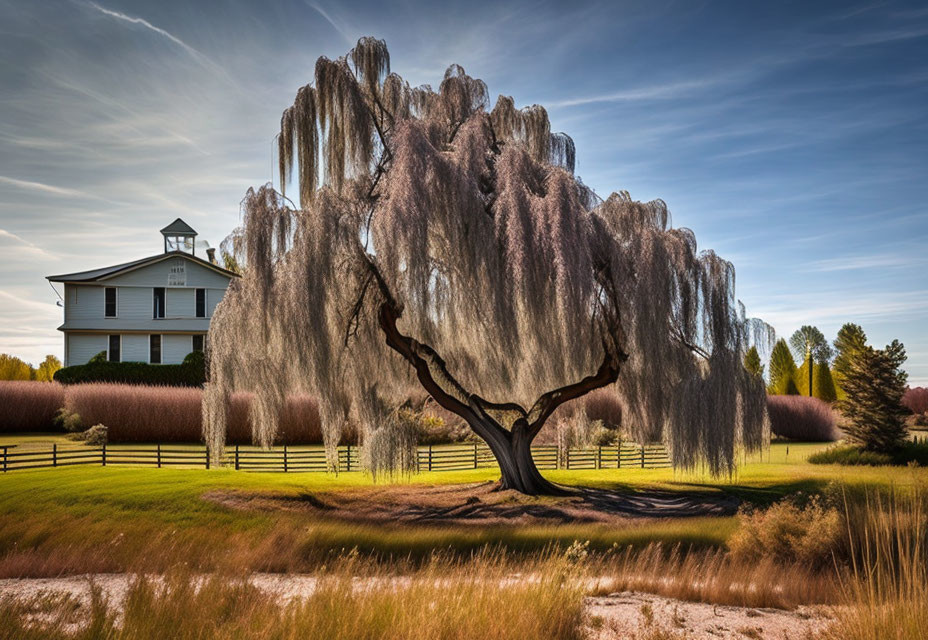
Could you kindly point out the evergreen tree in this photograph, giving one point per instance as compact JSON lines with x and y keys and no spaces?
{"x":875,"y":384}
{"x":823,"y":385}
{"x":809,"y":344}
{"x":782,"y":370}
{"x":851,"y":337}
{"x":752,"y":362}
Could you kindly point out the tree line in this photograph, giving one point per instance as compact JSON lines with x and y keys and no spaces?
{"x":13,"y":368}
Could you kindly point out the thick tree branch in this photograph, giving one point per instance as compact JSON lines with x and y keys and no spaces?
{"x":546,"y":405}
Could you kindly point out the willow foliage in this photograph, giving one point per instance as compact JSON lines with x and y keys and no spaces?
{"x":466,"y":226}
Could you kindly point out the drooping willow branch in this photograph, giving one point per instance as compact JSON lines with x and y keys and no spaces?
{"x":438,"y":215}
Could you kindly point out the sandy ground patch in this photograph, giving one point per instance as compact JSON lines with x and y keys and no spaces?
{"x":618,"y":615}
{"x":480,"y":504}
{"x":622,"y":615}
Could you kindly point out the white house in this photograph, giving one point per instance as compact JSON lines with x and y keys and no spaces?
{"x":155,"y":310}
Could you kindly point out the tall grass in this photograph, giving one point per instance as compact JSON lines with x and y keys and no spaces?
{"x":801,"y":418}
{"x":134,"y":413}
{"x":29,"y":406}
{"x":717,"y":577}
{"x":457,"y":602}
{"x":887,"y":591}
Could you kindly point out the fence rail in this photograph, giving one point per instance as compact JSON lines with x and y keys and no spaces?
{"x":312,"y":458}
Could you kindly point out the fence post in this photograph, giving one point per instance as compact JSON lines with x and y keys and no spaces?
{"x":599,"y":457}
{"x":4,"y":458}
{"x":285,"y":458}
{"x":642,"y":456}
{"x":568,"y":459}
{"x":475,"y":455}
{"x":207,"y":456}
{"x":618,"y":455}
{"x":430,"y":457}
{"x":103,"y":455}
{"x":159,"y":455}
{"x":54,"y":455}
{"x":236,"y":458}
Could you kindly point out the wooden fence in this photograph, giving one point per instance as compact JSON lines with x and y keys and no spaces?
{"x":312,"y":458}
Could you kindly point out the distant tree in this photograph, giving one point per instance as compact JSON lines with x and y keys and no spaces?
{"x":916,"y":399}
{"x":46,"y":371}
{"x":823,"y":385}
{"x":873,"y":411}
{"x":850,"y":338}
{"x":752,"y":362}
{"x":230,"y":263}
{"x":809,"y":344}
{"x":782,"y":371}
{"x":12,"y":368}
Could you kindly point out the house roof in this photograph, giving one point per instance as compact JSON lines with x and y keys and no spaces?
{"x":179,"y":227}
{"x":107,"y":272}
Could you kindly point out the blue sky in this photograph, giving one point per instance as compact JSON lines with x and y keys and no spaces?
{"x":792,"y":137}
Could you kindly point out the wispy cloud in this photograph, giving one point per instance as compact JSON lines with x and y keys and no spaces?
{"x":45,"y":188}
{"x":874,"y":261}
{"x":348,"y":34}
{"x":194,"y":53}
{"x":639,"y":94}
{"x":145,"y":23}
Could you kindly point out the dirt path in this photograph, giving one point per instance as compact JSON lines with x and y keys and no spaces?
{"x":623,"y":615}
{"x":480,"y":504}
{"x":618,"y":615}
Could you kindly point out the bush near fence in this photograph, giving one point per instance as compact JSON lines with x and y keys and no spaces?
{"x":29,"y":406}
{"x":802,"y":418}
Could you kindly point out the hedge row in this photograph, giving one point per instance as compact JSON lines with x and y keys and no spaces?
{"x":192,"y":373}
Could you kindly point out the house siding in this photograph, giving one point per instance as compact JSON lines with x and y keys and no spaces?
{"x":174,"y":348}
{"x":134,"y":347}
{"x":83,"y":346}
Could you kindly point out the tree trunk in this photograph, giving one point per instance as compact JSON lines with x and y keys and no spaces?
{"x":513,"y":453}
{"x":810,"y":375}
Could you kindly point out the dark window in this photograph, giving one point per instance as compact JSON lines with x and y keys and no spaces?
{"x":158,"y":302}
{"x":198,"y":342}
{"x":110,"y":305}
{"x":201,"y":303}
{"x":114,"y":354}
{"x":154,"y":349}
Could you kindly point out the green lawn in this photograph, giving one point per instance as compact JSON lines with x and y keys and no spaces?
{"x":115,"y":518}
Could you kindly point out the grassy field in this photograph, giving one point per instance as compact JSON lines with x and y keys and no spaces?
{"x":116,"y":518}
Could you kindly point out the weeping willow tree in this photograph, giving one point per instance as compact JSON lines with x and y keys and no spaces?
{"x":446,"y":245}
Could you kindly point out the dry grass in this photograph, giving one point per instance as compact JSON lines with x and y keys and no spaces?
{"x":29,"y":406}
{"x":477,"y":600}
{"x":887,"y":592}
{"x":810,"y":534}
{"x":717,"y":577}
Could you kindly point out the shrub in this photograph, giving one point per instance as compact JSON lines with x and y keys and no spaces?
{"x":29,"y":406}
{"x":801,"y":418}
{"x":68,"y":420}
{"x":173,"y":414}
{"x":916,"y":400}
{"x":809,"y":534}
{"x":94,"y":436}
{"x":192,"y":373}
{"x":907,"y":453}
